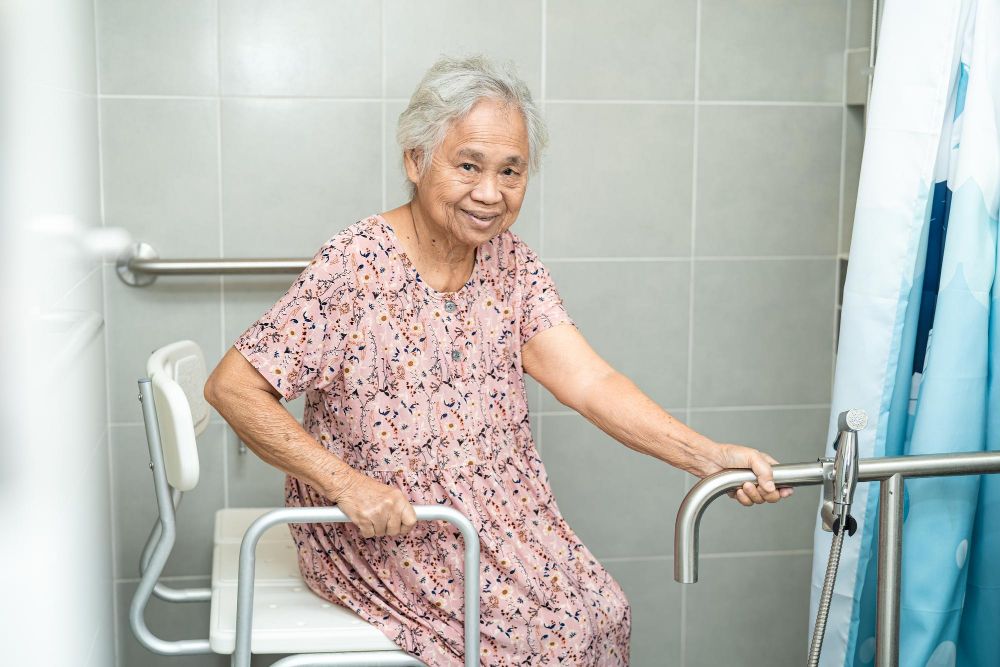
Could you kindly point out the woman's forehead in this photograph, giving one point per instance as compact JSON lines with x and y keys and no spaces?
{"x":488,"y":132}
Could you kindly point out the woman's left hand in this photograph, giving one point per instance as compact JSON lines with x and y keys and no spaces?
{"x":723,"y":455}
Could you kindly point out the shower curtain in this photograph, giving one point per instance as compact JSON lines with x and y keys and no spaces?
{"x":920,"y":337}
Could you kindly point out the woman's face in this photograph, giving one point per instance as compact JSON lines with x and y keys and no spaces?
{"x":473,"y":188}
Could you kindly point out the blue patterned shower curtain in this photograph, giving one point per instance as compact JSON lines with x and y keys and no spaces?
{"x":920,"y":336}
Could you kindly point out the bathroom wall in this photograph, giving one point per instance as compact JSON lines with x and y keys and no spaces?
{"x":692,"y":206}
{"x":55,"y":506}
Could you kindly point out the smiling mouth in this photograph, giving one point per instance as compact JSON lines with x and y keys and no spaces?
{"x":482,"y":219}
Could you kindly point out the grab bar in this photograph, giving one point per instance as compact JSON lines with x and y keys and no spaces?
{"x":140,"y":264}
{"x":890,"y":471}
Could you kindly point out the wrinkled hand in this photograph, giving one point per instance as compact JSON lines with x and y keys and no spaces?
{"x":376,"y":508}
{"x":722,"y":455}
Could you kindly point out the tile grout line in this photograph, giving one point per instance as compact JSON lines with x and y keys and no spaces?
{"x":222,"y":237}
{"x":840,"y":206}
{"x":777,"y":103}
{"x":107,"y":379}
{"x":724,"y":408}
{"x":541,"y":201}
{"x":385,"y":165}
{"x":691,"y":277}
{"x":703,"y":258}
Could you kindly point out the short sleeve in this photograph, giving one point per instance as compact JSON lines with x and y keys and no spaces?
{"x":297,"y":343}
{"x":541,"y":305}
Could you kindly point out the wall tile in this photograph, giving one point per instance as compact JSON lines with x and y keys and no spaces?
{"x":763,"y":332}
{"x":655,"y":603}
{"x":161,"y":173}
{"x":295,"y":172}
{"x":744,"y":610}
{"x":768,"y":180}
{"x":790,"y":436}
{"x":618,"y":180}
{"x":416,"y":34}
{"x":143,"y":319}
{"x":853,"y":151}
{"x":311,"y":47}
{"x":135,"y":503}
{"x":635,"y":315}
{"x":157,"y":48}
{"x":752,"y":50}
{"x":619,"y":502}
{"x":597,"y":52}
{"x":861,"y":24}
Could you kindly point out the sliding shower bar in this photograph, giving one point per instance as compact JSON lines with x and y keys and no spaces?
{"x":140,"y":264}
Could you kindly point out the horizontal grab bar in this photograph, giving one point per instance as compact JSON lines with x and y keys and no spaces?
{"x":201,"y":267}
{"x":139,"y":265}
{"x":805,"y":474}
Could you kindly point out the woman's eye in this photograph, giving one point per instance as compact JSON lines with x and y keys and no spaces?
{"x":466,"y":164}
{"x":510,"y":172}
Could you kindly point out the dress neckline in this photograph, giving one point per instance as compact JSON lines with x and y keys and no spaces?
{"x":390,"y":234}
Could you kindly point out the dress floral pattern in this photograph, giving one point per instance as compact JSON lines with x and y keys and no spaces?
{"x":424,"y":390}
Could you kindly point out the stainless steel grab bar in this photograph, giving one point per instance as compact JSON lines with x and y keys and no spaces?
{"x":139,"y":265}
{"x":891,"y":471}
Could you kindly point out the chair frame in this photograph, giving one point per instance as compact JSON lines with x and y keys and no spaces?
{"x":164,"y":534}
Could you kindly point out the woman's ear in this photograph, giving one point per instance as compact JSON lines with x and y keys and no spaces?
{"x":411,"y":160}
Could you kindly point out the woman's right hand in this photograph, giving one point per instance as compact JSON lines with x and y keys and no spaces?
{"x":376,"y":508}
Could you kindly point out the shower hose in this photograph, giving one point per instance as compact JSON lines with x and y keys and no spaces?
{"x":824,"y":601}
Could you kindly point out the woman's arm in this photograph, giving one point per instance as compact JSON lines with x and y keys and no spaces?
{"x":562,"y":361}
{"x":248,"y":402}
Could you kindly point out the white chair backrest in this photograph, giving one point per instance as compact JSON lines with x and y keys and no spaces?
{"x":177,"y":374}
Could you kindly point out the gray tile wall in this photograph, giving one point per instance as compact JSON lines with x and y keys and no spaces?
{"x":691,"y":210}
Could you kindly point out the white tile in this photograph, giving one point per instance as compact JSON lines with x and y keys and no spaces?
{"x":417,"y":33}
{"x":161,"y":181}
{"x":295,"y":172}
{"x":598,"y":50}
{"x":327,"y":48}
{"x":157,"y":48}
{"x":772,"y":50}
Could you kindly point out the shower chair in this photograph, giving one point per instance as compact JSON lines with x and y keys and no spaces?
{"x":259,"y":601}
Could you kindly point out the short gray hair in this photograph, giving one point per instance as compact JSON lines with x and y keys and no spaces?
{"x":449,"y":91}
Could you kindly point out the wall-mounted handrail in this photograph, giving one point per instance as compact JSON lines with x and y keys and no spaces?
{"x":140,"y":264}
{"x":891,"y":471}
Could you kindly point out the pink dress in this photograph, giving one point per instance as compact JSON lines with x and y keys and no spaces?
{"x":424,"y":391}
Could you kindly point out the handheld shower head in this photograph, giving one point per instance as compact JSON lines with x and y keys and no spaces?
{"x":846,"y":468}
{"x":852,"y":420}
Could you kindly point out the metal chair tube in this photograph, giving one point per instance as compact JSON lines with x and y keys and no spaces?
{"x":161,"y":551}
{"x":162,"y":591}
{"x":245,"y":590}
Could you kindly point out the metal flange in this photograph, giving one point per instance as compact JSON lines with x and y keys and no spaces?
{"x":139,"y":250}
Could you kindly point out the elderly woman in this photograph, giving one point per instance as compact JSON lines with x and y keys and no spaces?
{"x":410,"y":333}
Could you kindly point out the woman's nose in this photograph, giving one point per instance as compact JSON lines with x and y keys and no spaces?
{"x":486,"y":191}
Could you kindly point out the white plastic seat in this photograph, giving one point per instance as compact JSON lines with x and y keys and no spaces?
{"x":292,"y":619}
{"x":276,"y":563}
{"x":231,"y":524}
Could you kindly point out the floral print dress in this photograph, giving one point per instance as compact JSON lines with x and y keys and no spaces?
{"x":424,"y":391}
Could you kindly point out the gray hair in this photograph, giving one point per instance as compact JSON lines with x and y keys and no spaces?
{"x":449,"y":91}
